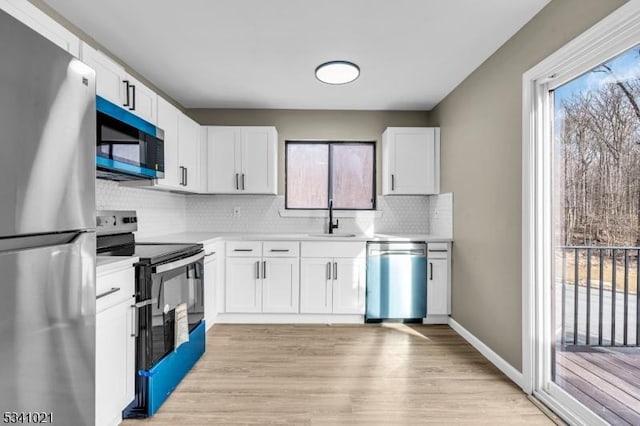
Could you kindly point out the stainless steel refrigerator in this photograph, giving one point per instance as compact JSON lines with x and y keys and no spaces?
{"x":47,"y":235}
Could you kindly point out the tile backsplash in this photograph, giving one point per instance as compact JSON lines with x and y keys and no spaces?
{"x":159,"y":212}
{"x":162,"y":212}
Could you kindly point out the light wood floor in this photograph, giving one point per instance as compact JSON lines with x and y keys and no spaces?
{"x":343,"y":375}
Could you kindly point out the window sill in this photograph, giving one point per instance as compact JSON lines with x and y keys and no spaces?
{"x":336,"y":213}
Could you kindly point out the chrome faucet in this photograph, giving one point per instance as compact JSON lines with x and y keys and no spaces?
{"x":331,"y":225}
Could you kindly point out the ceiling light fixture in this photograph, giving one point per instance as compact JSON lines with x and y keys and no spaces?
{"x":337,"y":72}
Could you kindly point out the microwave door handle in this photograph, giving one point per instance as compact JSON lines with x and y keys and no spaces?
{"x":178,"y":263}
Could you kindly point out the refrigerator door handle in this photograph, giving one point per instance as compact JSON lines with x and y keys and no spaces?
{"x":108,"y":292}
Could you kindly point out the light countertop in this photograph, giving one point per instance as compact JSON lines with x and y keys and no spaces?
{"x":212,"y":237}
{"x":109,"y":264}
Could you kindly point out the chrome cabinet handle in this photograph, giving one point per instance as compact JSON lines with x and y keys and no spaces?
{"x":258,"y":270}
{"x":335,"y":270}
{"x":279,"y":250}
{"x":186,"y":176}
{"x":264,"y":269}
{"x":133,"y":106}
{"x":430,"y":271}
{"x":237,"y":181}
{"x":108,"y":292}
{"x":243,"y":181}
{"x":328,"y":271}
{"x":393,"y":182}
{"x":182,"y":176}
{"x":242,"y":249}
{"x":126,"y":88}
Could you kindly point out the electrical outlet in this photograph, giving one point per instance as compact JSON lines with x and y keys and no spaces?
{"x":236,"y":212}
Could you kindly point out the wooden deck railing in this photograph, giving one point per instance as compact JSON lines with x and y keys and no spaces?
{"x":598,"y":295}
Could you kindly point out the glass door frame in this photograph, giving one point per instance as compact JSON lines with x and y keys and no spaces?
{"x":613,"y":35}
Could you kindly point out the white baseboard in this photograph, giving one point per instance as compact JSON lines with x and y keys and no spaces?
{"x":261,"y":318}
{"x":488,"y":353}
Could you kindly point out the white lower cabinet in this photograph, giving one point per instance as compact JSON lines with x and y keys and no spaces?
{"x":211,"y":271}
{"x":332,"y":286}
{"x":437,"y":288}
{"x":269,"y":283}
{"x":334,"y":283}
{"x":280,"y":285}
{"x":115,"y":345}
{"x":316,"y":286}
{"x":349,"y":283}
{"x":244,"y":288}
{"x":438,"y":282}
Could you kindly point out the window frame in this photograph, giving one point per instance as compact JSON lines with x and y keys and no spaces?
{"x":329,"y":143}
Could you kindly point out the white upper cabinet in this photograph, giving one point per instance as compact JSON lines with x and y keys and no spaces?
{"x":40,"y":22}
{"x":411,"y":161}
{"x":168,"y":116}
{"x":242,"y":160}
{"x":119,"y":87}
{"x":189,"y":138}
{"x":110,"y":76}
{"x":142,"y":101}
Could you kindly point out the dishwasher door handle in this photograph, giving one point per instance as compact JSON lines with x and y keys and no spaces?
{"x":417,"y":252}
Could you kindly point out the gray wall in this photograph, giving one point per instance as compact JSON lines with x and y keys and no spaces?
{"x":481,"y":134}
{"x":314,"y":124}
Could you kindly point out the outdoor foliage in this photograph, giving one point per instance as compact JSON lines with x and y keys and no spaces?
{"x":599,"y":141}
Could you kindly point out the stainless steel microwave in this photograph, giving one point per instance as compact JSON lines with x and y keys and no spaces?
{"x":128,"y":147}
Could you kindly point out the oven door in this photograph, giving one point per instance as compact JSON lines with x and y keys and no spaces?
{"x":172,"y":284}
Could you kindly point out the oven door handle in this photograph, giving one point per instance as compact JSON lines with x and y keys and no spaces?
{"x":178,"y":263}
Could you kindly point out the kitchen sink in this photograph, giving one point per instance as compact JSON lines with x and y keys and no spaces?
{"x":334,"y":235}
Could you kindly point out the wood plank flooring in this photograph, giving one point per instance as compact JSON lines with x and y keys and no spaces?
{"x":607,"y":380}
{"x":343,"y":375}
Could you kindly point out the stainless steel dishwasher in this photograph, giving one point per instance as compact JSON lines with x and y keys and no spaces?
{"x":396,"y":281}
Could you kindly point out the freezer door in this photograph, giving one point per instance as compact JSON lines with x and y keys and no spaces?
{"x":47,"y":329}
{"x":48,"y":137}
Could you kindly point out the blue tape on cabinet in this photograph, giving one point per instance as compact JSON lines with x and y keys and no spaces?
{"x":165,"y":376}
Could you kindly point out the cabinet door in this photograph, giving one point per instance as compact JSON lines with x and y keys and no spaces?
{"x":40,"y":22}
{"x":280,"y":285}
{"x":223,"y":155}
{"x":413,"y":165}
{"x":114,"y":363}
{"x":349,"y":277}
{"x":243,"y":286}
{"x":189,"y":152}
{"x":316,"y":290}
{"x":438,"y":287}
{"x":110,"y":77}
{"x":210,"y":288}
{"x":259,"y":160}
{"x":143,"y":101}
{"x":168,"y":121}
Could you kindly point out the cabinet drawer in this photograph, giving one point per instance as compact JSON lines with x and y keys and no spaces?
{"x":437,"y":250}
{"x":280,"y":249}
{"x":114,"y":288}
{"x":244,"y":248}
{"x":332,"y":249}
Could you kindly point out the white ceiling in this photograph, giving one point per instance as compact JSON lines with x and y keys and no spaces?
{"x":263,"y":53}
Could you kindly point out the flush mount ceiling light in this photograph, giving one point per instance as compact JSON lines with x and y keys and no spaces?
{"x":337,"y":72}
